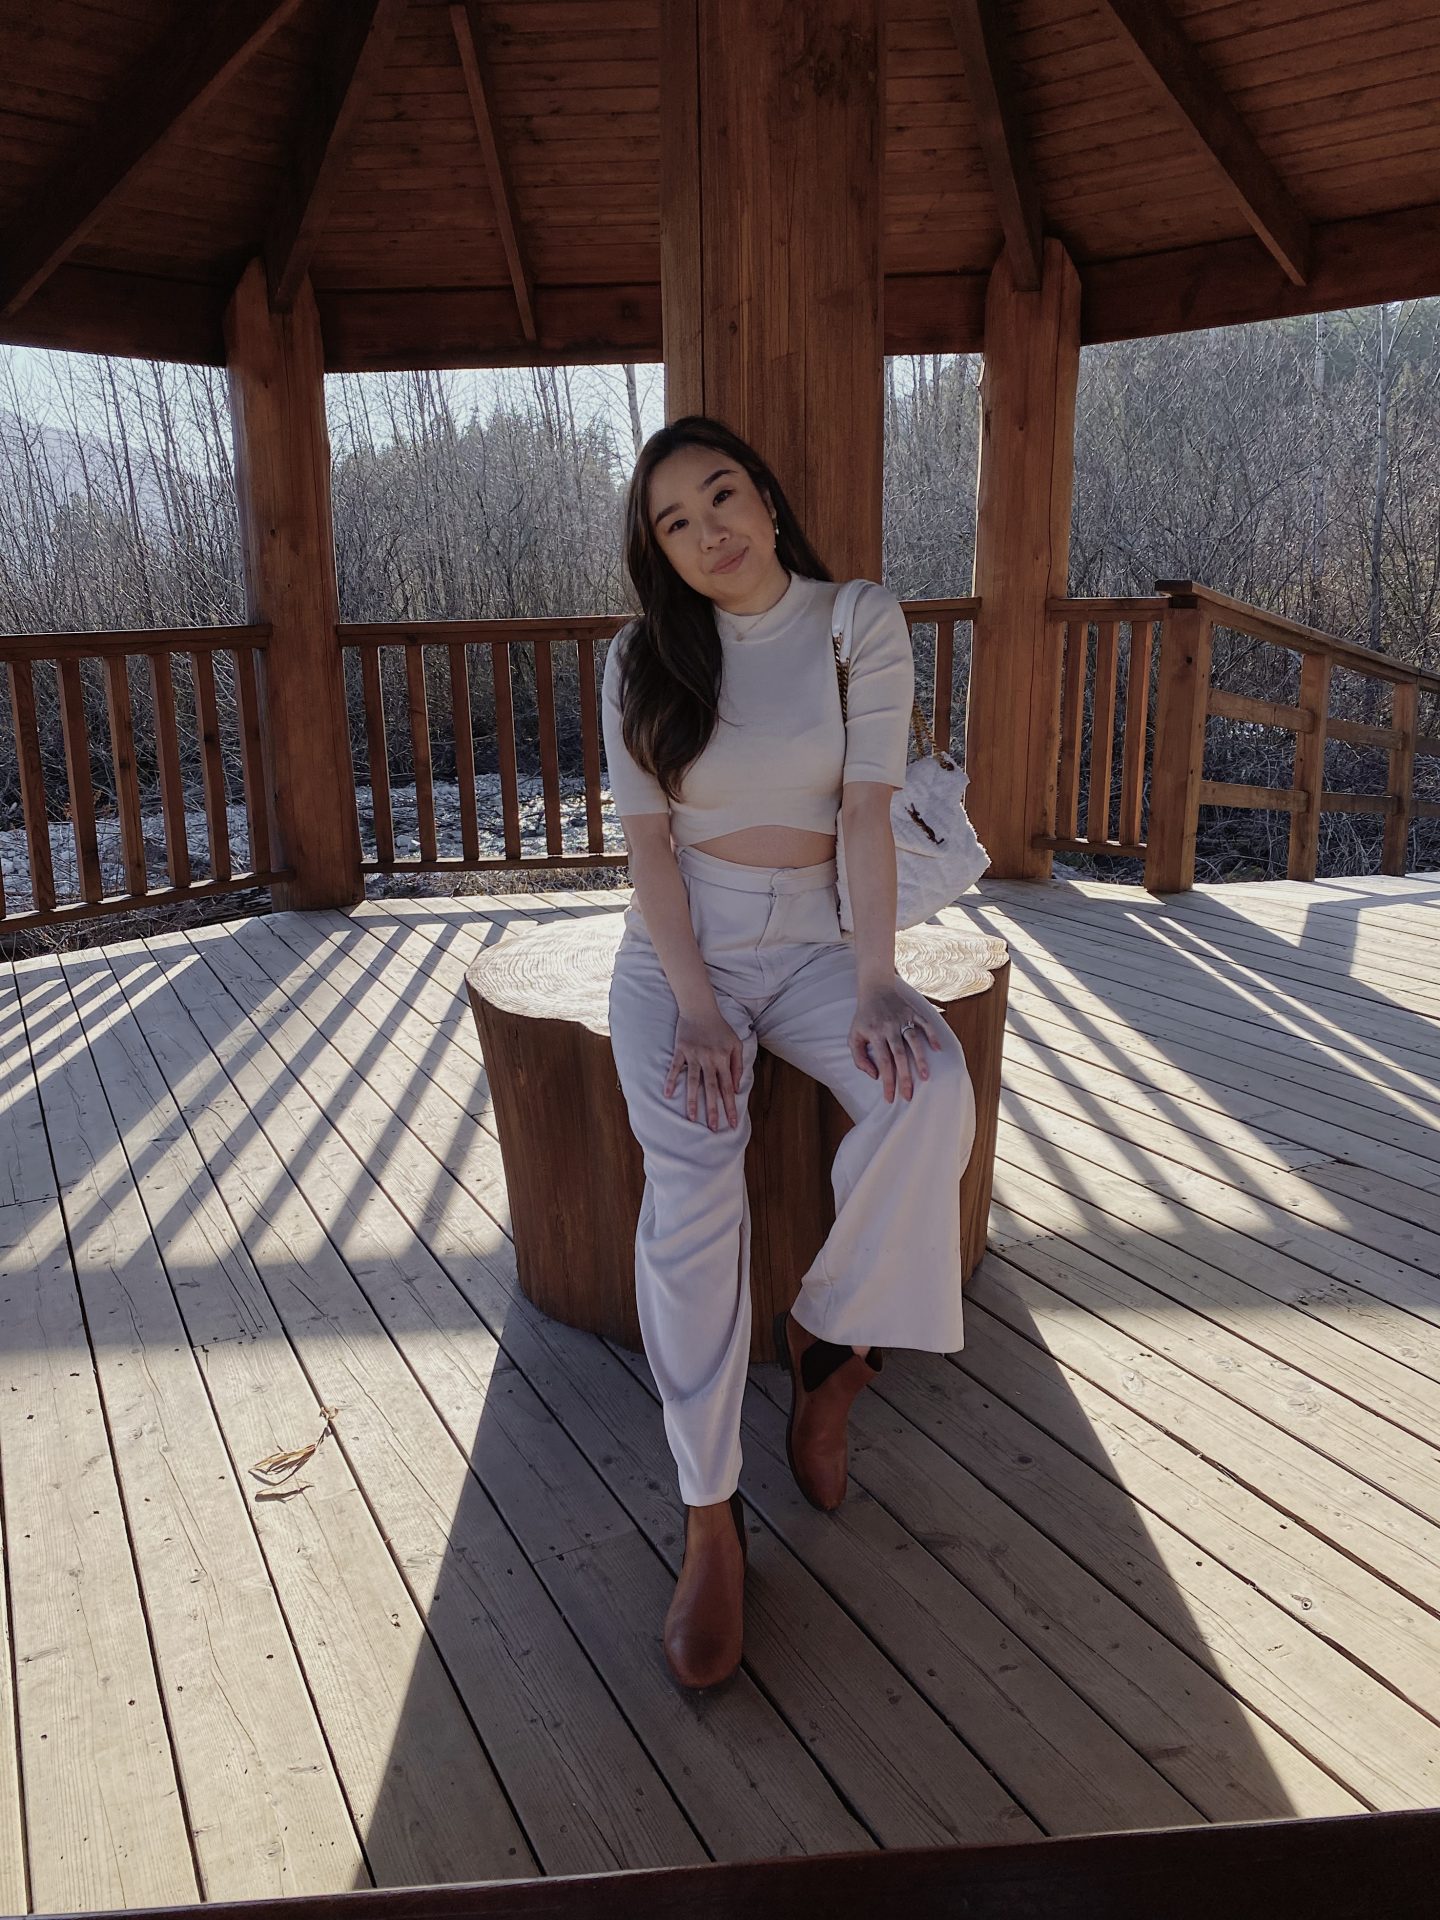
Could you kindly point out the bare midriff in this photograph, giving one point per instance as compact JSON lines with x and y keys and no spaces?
{"x":771,"y":847}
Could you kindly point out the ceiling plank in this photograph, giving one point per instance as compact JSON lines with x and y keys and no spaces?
{"x":357,"y":48}
{"x":1155,"y":40}
{"x":197,"y":57}
{"x":980,"y":33}
{"x":464,"y":22}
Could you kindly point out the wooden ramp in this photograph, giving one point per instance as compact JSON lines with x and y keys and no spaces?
{"x":1161,"y":1546}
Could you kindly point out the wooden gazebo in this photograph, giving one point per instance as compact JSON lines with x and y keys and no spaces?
{"x":769,"y":199}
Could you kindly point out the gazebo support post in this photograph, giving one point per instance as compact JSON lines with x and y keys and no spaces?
{"x":282,"y":468}
{"x":1022,"y":552}
{"x":771,"y":139}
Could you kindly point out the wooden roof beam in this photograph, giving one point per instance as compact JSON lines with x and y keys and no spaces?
{"x":464,"y":22}
{"x":358,"y":45}
{"x":197,"y":57}
{"x":980,"y":33}
{"x":1156,"y":42}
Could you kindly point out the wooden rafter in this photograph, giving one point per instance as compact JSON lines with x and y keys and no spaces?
{"x":1155,"y":40}
{"x":358,"y":45}
{"x":980,"y":33}
{"x":209,"y":45}
{"x":464,"y":23}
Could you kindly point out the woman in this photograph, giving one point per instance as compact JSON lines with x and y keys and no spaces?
{"x":729,"y":762}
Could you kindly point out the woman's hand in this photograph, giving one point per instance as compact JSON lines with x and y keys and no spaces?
{"x":708,"y":1052}
{"x":877,"y":1045}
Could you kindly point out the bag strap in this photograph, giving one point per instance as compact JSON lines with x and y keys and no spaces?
{"x":841,"y":622}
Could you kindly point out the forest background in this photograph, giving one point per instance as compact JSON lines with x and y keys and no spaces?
{"x":1295,"y":465}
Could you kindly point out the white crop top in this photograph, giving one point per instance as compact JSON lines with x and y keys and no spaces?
{"x":780,"y":752}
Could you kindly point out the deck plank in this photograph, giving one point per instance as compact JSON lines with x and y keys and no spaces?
{"x":1234,"y":1759}
{"x":838,"y":1725}
{"x":104,"y":1822}
{"x":1160,"y":1545}
{"x":1066,"y":1762}
{"x":510,"y":1657}
{"x":260,"y":1794}
{"x":358,"y":1653}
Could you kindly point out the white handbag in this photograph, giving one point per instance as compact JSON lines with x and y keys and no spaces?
{"x":937,"y":855}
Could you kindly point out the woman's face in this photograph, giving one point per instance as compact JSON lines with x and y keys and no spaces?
{"x":713,"y":525}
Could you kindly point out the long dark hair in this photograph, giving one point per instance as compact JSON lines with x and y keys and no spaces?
{"x":670,"y":695}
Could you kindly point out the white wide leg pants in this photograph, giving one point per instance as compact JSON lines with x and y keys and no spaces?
{"x":889,"y":1271}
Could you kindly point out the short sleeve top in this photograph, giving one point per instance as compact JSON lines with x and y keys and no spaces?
{"x":781,"y":753}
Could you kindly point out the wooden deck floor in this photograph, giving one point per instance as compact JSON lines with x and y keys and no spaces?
{"x":1161,"y":1545}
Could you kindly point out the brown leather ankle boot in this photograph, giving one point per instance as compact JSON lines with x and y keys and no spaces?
{"x":824,"y":1380}
{"x":704,"y":1625}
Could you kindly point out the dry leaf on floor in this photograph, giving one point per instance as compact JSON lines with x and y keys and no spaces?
{"x":277,"y":1467}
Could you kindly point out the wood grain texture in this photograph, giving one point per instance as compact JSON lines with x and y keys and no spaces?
{"x":170,"y":82}
{"x":167,"y":761}
{"x":127,"y":782}
{"x":772,"y":139}
{"x":359,"y":40}
{"x":1137,"y":709}
{"x":212,"y":764}
{"x":981,"y":30}
{"x":1022,"y":545}
{"x":282,"y":453}
{"x":76,"y":735}
{"x":1181,"y":701}
{"x":540,"y":1001}
{"x":1308,"y":778}
{"x":32,"y":781}
{"x":465,"y":24}
{"x":1404,"y":712}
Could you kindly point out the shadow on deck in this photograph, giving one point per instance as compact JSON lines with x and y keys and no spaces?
{"x":1160,"y":1547}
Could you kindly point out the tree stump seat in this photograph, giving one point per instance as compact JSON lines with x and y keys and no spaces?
{"x":574,"y":1170}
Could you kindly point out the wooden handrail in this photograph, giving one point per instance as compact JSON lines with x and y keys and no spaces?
{"x":592,"y":626}
{"x":1276,"y":630}
{"x":146,"y":640}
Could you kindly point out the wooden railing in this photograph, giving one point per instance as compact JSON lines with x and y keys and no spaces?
{"x":1186,"y":698}
{"x":1100,"y":677}
{"x":500,"y":658}
{"x":1153,"y":814}
{"x":1130,"y":743}
{"x":66,"y":654}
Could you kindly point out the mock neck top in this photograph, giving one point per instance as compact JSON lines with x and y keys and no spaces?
{"x":781,"y":753}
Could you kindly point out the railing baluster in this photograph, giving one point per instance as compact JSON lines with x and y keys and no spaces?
{"x":1137,"y":710}
{"x":590,"y":745}
{"x":1308,"y":778}
{"x":944,"y":703}
{"x":167,"y":758}
{"x":216,"y":819}
{"x":505,"y":746}
{"x":1404,"y":718}
{"x":127,"y":782}
{"x":464,"y":749}
{"x":549,"y":749}
{"x":32,"y":784}
{"x":76,"y":736}
{"x":1076,"y":640}
{"x":253,"y":759}
{"x":420,"y":749}
{"x":377,"y":753}
{"x":1102,"y":731}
